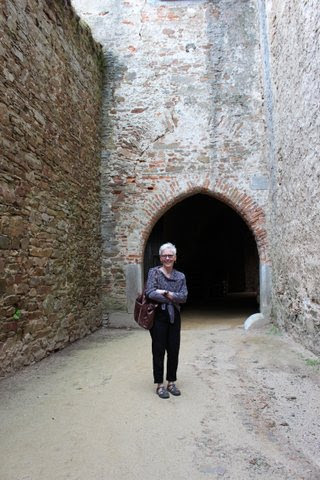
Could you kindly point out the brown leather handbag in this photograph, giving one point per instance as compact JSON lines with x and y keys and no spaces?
{"x":144,"y":311}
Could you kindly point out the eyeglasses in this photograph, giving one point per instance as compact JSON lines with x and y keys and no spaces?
{"x":167,"y":256}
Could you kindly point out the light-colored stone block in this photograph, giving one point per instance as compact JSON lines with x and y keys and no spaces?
{"x":133,"y":284}
{"x":256,"y":320}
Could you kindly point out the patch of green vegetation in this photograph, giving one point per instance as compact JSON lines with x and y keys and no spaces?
{"x":17,"y":314}
{"x":312,"y":362}
{"x":274,"y":330}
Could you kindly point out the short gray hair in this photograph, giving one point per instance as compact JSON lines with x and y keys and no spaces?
{"x":168,"y":246}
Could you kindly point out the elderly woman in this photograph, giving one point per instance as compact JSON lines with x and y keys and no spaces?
{"x":167,"y":287}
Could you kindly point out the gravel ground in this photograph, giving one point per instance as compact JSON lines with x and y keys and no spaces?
{"x":249,"y":409}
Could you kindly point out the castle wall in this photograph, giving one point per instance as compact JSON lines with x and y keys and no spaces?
{"x":199,"y":97}
{"x":184,"y":114}
{"x":50,"y":94}
{"x":294,"y":58}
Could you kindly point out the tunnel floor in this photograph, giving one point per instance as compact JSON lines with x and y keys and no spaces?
{"x":232,"y":309}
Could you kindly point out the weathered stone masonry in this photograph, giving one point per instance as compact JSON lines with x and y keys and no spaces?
{"x":208,"y":96}
{"x":294,"y":39}
{"x":50,"y":96}
{"x":184,"y":114}
{"x":214,"y":97}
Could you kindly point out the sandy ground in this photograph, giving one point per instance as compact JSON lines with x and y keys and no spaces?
{"x":250,"y":409}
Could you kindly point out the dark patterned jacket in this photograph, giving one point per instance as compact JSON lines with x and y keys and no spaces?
{"x":175,"y":284}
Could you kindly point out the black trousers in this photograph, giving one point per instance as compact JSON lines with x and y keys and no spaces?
{"x":165,"y":338}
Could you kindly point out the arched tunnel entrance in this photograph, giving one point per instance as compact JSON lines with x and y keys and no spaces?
{"x":216,"y":251}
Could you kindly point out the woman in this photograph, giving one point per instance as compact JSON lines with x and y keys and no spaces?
{"x":167,"y":287}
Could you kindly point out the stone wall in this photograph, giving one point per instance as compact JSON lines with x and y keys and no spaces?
{"x":184,"y":115}
{"x":294,"y":40}
{"x":50,"y":96}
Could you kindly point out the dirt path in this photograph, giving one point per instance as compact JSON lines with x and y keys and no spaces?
{"x":250,"y":409}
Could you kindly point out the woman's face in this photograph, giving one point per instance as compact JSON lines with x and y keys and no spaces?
{"x":167,"y":258}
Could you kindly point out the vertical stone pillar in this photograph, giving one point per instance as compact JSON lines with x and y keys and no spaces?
{"x":133,"y":284}
{"x":265,"y":290}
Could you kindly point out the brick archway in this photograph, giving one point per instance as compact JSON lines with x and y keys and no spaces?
{"x":171,"y":193}
{"x":164,"y":193}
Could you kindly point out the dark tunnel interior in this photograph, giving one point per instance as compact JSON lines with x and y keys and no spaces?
{"x":215,"y":249}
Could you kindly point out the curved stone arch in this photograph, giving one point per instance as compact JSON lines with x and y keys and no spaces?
{"x":170,"y":192}
{"x":243,"y":204}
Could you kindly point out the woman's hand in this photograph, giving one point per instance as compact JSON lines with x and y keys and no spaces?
{"x":165,"y":293}
{"x":168,"y":295}
{"x":161,"y":292}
